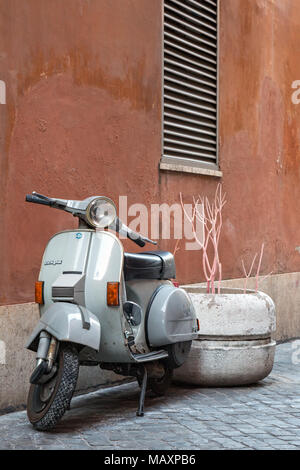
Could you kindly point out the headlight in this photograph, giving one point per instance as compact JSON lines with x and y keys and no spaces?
{"x":101,"y":212}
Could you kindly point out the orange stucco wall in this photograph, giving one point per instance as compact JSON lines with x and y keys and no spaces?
{"x":83,"y":117}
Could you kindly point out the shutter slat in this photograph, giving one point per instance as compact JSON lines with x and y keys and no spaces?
{"x":188,"y":21}
{"x":190,"y":128}
{"x":190,"y":95}
{"x":192,"y":10}
{"x":188,"y":144}
{"x":202,"y":6}
{"x":189,"y":77}
{"x":197,"y":39}
{"x":190,"y":69}
{"x":193,"y":137}
{"x":188,"y":152}
{"x":192,"y":121}
{"x":190,"y":81}
{"x":185,"y":58}
{"x":185,"y":110}
{"x":191,"y":46}
{"x":212,"y":2}
{"x":189,"y":103}
{"x":187,"y":85}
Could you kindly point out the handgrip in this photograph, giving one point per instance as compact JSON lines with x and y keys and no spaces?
{"x":37,"y":200}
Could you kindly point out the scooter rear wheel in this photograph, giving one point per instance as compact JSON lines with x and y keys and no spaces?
{"x":47,"y":403}
{"x":159,"y":386}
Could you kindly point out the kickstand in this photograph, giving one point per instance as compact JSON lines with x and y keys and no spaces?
{"x":140,"y":411}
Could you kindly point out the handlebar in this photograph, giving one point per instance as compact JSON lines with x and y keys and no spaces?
{"x":118,"y":225}
{"x":38,"y":200}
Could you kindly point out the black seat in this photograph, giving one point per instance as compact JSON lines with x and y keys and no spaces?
{"x":149,"y":265}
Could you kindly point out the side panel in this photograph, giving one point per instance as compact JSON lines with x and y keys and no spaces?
{"x":105,"y":264}
{"x":141,"y":291}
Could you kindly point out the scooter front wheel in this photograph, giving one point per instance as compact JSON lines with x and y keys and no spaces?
{"x":47,"y":402}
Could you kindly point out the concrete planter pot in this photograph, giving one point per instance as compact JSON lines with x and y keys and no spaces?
{"x":234,"y":345}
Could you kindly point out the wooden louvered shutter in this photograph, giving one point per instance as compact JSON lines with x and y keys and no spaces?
{"x":190,"y":83}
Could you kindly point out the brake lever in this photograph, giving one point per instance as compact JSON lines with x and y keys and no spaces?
{"x":120,"y":227}
{"x":148,"y":240}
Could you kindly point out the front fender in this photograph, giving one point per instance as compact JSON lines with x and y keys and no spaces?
{"x":68,"y":322}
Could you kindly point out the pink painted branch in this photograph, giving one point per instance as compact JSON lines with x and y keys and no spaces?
{"x":265,"y":277}
{"x":213,"y":211}
{"x":220,"y":278}
{"x":176,"y":247}
{"x":259,"y":265}
{"x":195,"y":211}
{"x":247,"y":276}
{"x":211,"y":218}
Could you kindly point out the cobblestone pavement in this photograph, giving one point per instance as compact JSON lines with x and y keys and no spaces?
{"x":263,"y":416}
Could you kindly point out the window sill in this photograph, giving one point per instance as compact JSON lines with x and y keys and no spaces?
{"x":190,"y":169}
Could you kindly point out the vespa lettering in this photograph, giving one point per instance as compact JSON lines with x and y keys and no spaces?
{"x":53,"y":262}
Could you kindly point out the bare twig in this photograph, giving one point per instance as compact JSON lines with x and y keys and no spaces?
{"x":259,"y":265}
{"x":247,"y":275}
{"x":176,"y":247}
{"x":211,"y":218}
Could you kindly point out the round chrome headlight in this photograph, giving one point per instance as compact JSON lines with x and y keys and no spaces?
{"x":101,"y":212}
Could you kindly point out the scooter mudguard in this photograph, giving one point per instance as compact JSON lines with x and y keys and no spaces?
{"x":68,"y":322}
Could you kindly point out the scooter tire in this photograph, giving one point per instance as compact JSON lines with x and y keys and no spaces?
{"x":159,"y":386}
{"x":59,"y":401}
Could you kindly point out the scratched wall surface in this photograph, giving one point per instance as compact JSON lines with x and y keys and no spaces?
{"x":83,"y":117}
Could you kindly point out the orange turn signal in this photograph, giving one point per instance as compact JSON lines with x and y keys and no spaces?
{"x":39,"y":292}
{"x":112,"y":294}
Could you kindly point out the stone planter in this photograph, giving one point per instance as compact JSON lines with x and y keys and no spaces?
{"x":234,"y":346}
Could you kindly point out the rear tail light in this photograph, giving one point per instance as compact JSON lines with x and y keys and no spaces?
{"x":39,"y":292}
{"x":112,"y":294}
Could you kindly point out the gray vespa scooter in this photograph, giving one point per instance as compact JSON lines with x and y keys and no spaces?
{"x":101,"y":306}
